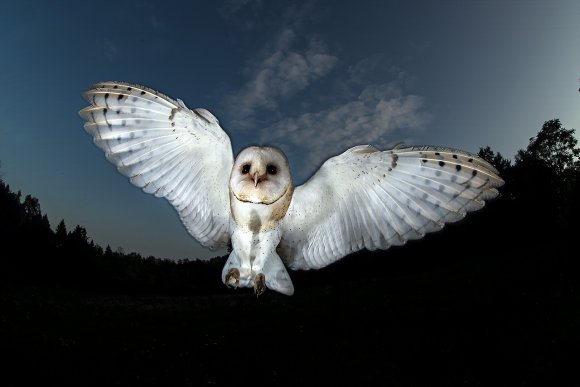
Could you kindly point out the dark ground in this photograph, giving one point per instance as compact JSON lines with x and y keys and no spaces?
{"x":484,"y":318}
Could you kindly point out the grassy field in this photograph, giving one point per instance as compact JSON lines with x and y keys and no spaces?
{"x":483,"y":320}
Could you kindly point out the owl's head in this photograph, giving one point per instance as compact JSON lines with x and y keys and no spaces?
{"x":260,"y":175}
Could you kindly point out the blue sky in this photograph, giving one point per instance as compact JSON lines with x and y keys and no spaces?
{"x":312,"y":77}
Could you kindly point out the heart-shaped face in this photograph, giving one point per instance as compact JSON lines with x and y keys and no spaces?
{"x":260,"y":175}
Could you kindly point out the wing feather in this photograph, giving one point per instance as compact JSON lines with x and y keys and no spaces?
{"x":366,"y":198}
{"x":167,"y":150}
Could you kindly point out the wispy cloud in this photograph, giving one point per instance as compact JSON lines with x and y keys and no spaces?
{"x":371,"y":118}
{"x":243,"y":13}
{"x":108,"y":48}
{"x":154,"y":22}
{"x":300,"y":96}
{"x":231,"y":7}
{"x":282,"y":73}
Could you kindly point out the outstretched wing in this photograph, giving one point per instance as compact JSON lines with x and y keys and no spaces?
{"x":167,"y":150}
{"x":366,"y":198}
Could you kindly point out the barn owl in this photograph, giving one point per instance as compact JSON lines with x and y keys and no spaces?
{"x":364,"y":198}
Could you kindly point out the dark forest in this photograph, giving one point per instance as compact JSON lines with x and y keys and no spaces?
{"x":490,"y":300}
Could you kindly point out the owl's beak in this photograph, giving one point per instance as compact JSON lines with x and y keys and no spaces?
{"x":256,"y":179}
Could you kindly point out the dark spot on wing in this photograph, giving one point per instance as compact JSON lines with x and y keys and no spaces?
{"x":458,"y":167}
{"x":441,"y":163}
{"x":201,"y":116}
{"x":474,"y":173}
{"x":105,"y":110}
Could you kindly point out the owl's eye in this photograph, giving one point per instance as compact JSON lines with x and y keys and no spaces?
{"x":271,"y":169}
{"x":245,"y":169}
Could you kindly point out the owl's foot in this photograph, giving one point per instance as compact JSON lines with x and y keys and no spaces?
{"x":259,"y":284}
{"x":233,"y":278}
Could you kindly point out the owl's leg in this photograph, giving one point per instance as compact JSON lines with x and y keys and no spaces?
{"x":232,"y":278}
{"x":236,"y":272}
{"x":270,"y":272}
{"x":259,"y":284}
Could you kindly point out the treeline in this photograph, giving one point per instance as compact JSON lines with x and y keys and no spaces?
{"x":537,"y":211}
{"x":33,"y":253}
{"x":540,"y":198}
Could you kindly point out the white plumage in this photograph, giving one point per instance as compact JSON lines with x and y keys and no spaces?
{"x":363,"y":198}
{"x":167,"y":150}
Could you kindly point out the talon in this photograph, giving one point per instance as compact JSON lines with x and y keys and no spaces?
{"x":259,"y":284}
{"x":233,"y":278}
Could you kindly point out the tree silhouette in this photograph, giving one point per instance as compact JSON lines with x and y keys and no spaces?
{"x":542,"y":184}
{"x":61,"y":233}
{"x":79,"y":235}
{"x":496,"y":159}
{"x":31,"y":208}
{"x":554,"y":146}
